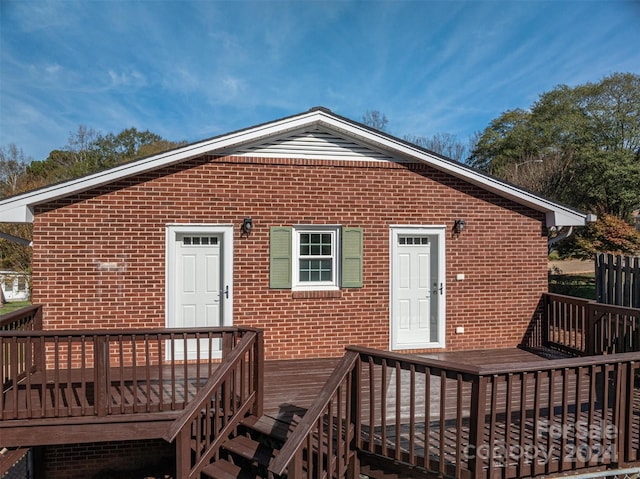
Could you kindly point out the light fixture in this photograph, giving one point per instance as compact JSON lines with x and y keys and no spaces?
{"x":247,"y":226}
{"x":458,"y":226}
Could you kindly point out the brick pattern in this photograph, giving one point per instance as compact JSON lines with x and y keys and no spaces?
{"x":99,"y":257}
{"x":105,"y":459}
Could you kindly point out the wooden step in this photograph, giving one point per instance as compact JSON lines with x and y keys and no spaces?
{"x":250,"y":450}
{"x":222,"y":469}
{"x":270,"y":427}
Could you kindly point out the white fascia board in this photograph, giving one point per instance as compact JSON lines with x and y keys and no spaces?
{"x":20,"y":208}
{"x":556,"y":214}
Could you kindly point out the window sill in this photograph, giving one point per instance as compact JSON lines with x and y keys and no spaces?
{"x":316,"y":294}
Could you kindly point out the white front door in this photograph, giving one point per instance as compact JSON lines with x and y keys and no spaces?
{"x":198,"y":279}
{"x":417,"y":279}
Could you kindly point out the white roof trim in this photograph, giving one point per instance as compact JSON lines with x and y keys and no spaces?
{"x":19,"y":209}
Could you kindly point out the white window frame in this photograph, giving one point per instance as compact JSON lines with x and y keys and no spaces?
{"x":298,"y":285}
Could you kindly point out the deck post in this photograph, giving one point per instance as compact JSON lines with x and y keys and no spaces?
{"x":258,"y":374}
{"x":227,"y":343}
{"x":38,"y":354}
{"x":183,"y":454}
{"x":476,"y":425}
{"x":590,"y":333}
{"x":100,"y":374}
{"x":355,"y":409}
{"x":624,"y":391}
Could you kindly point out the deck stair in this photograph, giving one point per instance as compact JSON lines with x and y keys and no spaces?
{"x":247,"y":454}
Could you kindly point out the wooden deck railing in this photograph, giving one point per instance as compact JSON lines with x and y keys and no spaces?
{"x":234,"y":390}
{"x":584,"y":328}
{"x":24,"y":319}
{"x":322,"y":444}
{"x":459,"y":420}
{"x":107,"y":372}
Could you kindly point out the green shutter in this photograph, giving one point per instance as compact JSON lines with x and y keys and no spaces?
{"x":352,"y":257}
{"x":280,"y":257}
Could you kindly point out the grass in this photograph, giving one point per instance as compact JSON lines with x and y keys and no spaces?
{"x":578,"y":285}
{"x":12,"y":306}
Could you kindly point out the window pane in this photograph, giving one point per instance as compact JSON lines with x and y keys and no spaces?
{"x":304,"y":244}
{"x":316,"y":244}
{"x":315,"y":270}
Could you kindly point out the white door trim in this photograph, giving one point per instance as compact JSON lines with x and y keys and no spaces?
{"x":172,"y":231}
{"x":432,"y":230}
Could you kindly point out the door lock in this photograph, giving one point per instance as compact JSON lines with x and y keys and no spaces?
{"x":225,"y":291}
{"x":440,"y":289}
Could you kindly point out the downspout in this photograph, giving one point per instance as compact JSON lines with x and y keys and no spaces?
{"x":564,"y":234}
{"x":16,"y":239}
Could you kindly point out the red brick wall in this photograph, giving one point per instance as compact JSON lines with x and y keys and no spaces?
{"x":105,"y":460}
{"x":502,"y":252}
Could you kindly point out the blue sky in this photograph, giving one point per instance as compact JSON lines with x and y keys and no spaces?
{"x":190,"y":70}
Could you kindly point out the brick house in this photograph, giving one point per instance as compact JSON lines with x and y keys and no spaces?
{"x":316,"y":228}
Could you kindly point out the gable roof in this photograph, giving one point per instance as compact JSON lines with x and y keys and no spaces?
{"x":315,"y":133}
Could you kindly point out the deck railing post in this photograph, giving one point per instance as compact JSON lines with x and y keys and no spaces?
{"x":227,"y":343}
{"x":355,"y":410}
{"x":546,"y":321}
{"x":590,"y":333}
{"x":476,"y":426}
{"x":258,"y":374}
{"x":624,"y":390}
{"x":356,"y":402}
{"x":38,"y":353}
{"x":100,"y":374}
{"x":183,"y":454}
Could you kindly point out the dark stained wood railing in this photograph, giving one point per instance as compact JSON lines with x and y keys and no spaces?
{"x":567,"y":320}
{"x":13,"y":358}
{"x":107,"y":372}
{"x":322,"y":445}
{"x":233,"y":390}
{"x":614,"y":329}
{"x":581,"y":327}
{"x":458,"y":420}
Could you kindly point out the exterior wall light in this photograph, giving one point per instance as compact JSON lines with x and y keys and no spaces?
{"x":459,"y":226}
{"x":247,"y":226}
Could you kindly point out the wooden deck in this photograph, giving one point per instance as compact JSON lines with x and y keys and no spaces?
{"x":504,"y":413}
{"x":290,"y":388}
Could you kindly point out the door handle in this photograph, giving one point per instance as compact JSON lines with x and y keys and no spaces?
{"x":225,"y":291}
{"x":440,"y":289}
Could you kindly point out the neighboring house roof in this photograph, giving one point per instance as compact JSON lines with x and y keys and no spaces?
{"x":318,"y":133}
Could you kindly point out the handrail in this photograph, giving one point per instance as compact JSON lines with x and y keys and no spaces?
{"x":24,"y":319}
{"x":50,"y":333}
{"x":585,"y":327}
{"x":27,"y":315}
{"x":410,"y":408}
{"x":231,"y":392}
{"x":313,"y":415}
{"x":108,"y":361}
{"x":214,"y":381}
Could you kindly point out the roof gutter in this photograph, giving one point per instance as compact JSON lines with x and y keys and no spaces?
{"x":16,"y":239}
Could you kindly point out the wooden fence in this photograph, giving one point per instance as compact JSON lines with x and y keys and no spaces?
{"x":618,"y":280}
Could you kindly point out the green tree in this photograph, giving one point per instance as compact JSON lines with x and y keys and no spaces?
{"x":609,"y":234}
{"x":87,"y":152}
{"x":578,"y":145}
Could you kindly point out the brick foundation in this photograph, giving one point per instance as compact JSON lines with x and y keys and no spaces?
{"x":104,"y":460}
